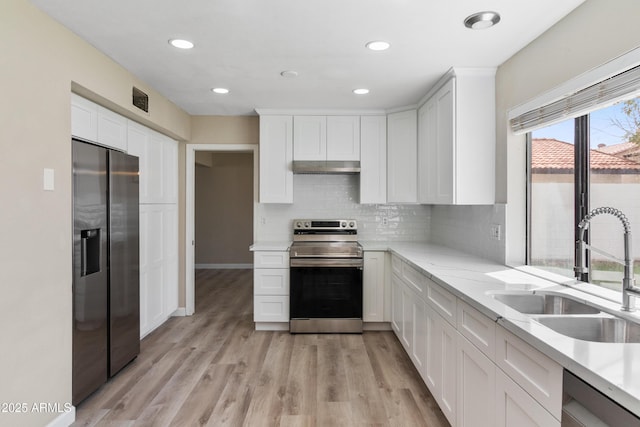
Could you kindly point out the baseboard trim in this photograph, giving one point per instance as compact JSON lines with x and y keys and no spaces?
{"x":65,"y":419}
{"x":180,"y":312}
{"x":222,"y":266}
{"x":377,"y":326}
{"x":272,"y":326}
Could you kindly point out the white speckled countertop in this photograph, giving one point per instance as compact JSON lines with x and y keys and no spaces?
{"x":612,"y":368}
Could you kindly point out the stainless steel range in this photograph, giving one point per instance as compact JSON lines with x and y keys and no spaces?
{"x":325,"y":277}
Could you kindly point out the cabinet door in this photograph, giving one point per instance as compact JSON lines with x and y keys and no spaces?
{"x":112,"y":129}
{"x":445,"y":144}
{"x":343,"y":138}
{"x":152,"y":271}
{"x":373,"y":159}
{"x":407,"y":318}
{"x":476,"y":386}
{"x":84,"y":118}
{"x":427,"y":167}
{"x":402,"y":166}
{"x":271,"y":281}
{"x":373,"y":287}
{"x":440,"y":367}
{"x":396,"y":305}
{"x":309,"y":138}
{"x":137,"y":144}
{"x":276,"y":154}
{"x":515,"y":407}
{"x":170,"y":257}
{"x":170,"y":170}
{"x":271,"y":308}
{"x":419,"y":339}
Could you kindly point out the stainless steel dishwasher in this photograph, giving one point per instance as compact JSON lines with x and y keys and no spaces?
{"x":583,"y":405}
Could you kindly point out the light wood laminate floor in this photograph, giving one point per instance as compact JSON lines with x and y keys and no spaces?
{"x":213,"y":369}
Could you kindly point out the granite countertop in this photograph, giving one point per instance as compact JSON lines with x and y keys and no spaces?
{"x":612,"y":368}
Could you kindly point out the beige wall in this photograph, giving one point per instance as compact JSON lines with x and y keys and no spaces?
{"x":595,"y":33}
{"x":210,"y":130}
{"x":39,"y":64}
{"x":224,"y":209}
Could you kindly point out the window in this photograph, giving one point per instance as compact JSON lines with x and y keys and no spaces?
{"x":574,"y":167}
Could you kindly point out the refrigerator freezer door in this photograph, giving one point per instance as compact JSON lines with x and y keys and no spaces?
{"x":124,"y":257}
{"x":89,"y":280}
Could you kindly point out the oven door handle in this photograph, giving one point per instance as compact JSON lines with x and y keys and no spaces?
{"x":327,"y":262}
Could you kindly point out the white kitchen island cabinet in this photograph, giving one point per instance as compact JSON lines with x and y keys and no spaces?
{"x":456,"y":139}
{"x":276,"y":155}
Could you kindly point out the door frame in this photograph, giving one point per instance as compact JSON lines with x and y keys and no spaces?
{"x":189,"y":263}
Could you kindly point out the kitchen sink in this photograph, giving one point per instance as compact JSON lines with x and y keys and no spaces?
{"x":594,"y":328}
{"x":544,"y":304}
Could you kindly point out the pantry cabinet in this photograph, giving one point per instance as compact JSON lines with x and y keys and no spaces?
{"x":276,"y":155}
{"x":456,"y":139}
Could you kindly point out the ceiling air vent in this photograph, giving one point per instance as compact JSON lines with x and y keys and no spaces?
{"x":140,"y":99}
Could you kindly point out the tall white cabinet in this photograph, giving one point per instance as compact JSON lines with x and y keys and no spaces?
{"x":158,"y":163}
{"x":276,"y":155}
{"x":402,"y":166}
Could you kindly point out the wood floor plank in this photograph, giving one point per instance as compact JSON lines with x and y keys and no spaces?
{"x":214,"y":369}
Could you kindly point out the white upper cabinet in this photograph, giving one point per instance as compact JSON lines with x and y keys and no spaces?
{"x":343,"y":138}
{"x":84,"y":118}
{"x":326,"y":138}
{"x":457,"y":140}
{"x":402,"y":167}
{"x":373,"y":159}
{"x":310,"y":138}
{"x":112,"y":129}
{"x":276,"y":154}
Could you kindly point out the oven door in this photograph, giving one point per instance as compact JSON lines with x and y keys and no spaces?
{"x":325,"y":295}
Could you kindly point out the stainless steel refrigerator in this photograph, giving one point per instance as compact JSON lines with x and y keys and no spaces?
{"x":106,"y":271}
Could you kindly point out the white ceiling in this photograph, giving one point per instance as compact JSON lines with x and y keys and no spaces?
{"x":243,"y":45}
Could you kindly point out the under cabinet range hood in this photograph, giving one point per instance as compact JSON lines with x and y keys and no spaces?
{"x":326,"y":167}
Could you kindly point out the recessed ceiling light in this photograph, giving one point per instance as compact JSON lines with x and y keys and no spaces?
{"x":220,"y":90}
{"x":481,"y":20}
{"x":361,"y":91}
{"x":181,"y":44}
{"x":378,"y":45}
{"x":289,"y":74}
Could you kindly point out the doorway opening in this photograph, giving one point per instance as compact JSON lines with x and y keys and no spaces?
{"x":216,"y":247}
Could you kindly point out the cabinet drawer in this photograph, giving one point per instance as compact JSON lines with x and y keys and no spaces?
{"x":442,"y":301}
{"x":271,"y":281}
{"x":414,"y":278}
{"x":536,"y":373}
{"x":271,"y":259}
{"x":271,"y":308}
{"x":477,"y":328}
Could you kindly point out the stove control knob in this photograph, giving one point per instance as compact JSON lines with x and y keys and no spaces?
{"x":343,"y":224}
{"x":307,"y":224}
{"x":352,"y":224}
{"x":298,"y":224}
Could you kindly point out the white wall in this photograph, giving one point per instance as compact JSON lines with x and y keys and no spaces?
{"x":336,"y":197}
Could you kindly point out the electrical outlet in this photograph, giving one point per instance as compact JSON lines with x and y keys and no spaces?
{"x":495,"y":232}
{"x":385,"y":220}
{"x":263,"y":220}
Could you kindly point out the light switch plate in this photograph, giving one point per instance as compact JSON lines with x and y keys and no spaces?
{"x":48,"y":180}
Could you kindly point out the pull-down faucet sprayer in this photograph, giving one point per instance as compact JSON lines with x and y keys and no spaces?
{"x":628,"y":282}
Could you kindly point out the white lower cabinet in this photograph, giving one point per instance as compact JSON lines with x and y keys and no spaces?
{"x":271,"y":286}
{"x":515,"y":407}
{"x":476,"y":382}
{"x":373,"y":288}
{"x":479,"y":373}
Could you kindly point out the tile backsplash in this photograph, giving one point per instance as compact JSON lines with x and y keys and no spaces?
{"x":336,"y":196}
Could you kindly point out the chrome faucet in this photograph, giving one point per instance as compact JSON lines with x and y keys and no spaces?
{"x":629,"y":288}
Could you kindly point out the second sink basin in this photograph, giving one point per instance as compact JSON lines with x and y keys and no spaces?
{"x":544,"y":304}
{"x":598,"y":329}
